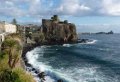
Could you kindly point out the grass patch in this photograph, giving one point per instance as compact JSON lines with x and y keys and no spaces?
{"x":23,"y":75}
{"x":3,"y":61}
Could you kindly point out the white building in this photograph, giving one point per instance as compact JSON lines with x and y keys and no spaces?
{"x":7,"y":28}
{"x":2,"y":37}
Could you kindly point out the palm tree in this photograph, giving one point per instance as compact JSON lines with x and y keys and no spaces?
{"x":12,"y":48}
{"x":16,"y":55}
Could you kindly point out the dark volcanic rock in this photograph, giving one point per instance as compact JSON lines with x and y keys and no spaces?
{"x":60,"y":80}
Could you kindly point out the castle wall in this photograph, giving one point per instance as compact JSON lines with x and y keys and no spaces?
{"x":46,"y":22}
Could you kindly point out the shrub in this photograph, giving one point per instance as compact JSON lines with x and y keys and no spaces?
{"x":24,"y":76}
{"x":3,"y":61}
{"x":9,"y":57}
{"x":8,"y":76}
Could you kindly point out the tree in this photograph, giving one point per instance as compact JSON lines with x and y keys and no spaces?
{"x":13,"y":49}
{"x":14,"y":21}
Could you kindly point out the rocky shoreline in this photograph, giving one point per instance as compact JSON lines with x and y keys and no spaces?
{"x":28,"y":67}
{"x":27,"y":48}
{"x":30,"y":47}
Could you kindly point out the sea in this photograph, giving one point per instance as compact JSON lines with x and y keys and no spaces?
{"x":94,"y":61}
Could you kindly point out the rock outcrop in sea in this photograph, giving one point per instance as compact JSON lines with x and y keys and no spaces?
{"x":55,"y":31}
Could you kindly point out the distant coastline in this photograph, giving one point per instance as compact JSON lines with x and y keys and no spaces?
{"x":88,"y":33}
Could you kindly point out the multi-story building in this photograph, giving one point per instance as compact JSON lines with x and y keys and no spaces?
{"x":7,"y":28}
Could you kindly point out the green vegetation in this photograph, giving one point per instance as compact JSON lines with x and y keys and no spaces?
{"x":3,"y":61}
{"x":9,"y":76}
{"x":10,"y":65}
{"x":14,"y":21}
{"x":12,"y":48}
{"x":23,"y":76}
{"x":38,"y":37}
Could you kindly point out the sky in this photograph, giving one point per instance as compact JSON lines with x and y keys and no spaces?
{"x":96,"y":15}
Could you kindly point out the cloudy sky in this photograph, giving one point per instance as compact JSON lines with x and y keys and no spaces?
{"x":80,"y":12}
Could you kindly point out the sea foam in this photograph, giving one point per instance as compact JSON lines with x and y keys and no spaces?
{"x":90,"y":42}
{"x":67,"y":45}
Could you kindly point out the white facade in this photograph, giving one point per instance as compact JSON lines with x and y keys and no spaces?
{"x":10,"y":28}
{"x":2,"y":37}
{"x":7,"y":28}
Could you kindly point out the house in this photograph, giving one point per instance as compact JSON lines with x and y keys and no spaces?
{"x":2,"y":38}
{"x":7,"y":28}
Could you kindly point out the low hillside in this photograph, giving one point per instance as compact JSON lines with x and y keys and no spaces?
{"x":11,"y":67}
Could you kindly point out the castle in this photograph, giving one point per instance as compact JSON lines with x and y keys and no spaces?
{"x":58,"y":31}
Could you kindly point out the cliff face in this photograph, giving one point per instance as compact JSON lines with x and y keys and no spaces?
{"x":55,"y":31}
{"x":59,"y":32}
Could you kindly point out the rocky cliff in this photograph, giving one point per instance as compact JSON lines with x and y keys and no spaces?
{"x":55,"y":31}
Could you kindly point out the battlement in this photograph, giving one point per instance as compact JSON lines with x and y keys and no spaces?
{"x":54,"y":19}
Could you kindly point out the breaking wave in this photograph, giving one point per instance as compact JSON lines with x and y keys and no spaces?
{"x":89,"y":42}
{"x":67,"y":45}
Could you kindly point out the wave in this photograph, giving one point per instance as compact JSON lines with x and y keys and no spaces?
{"x":54,"y":74}
{"x":89,"y":42}
{"x":105,"y":49}
{"x":67,"y":45}
{"x":32,"y":57}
